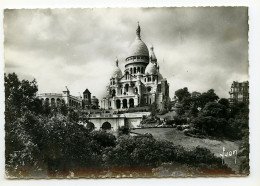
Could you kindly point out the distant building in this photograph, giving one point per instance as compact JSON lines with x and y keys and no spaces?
{"x":94,"y":102}
{"x":86,"y":102}
{"x":239,"y":92}
{"x":55,"y":99}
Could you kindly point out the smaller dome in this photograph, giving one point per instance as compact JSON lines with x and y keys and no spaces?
{"x":160,"y":77}
{"x":151,"y":69}
{"x":117,"y":71}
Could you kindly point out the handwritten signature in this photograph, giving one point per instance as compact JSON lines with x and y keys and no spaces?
{"x":226,"y":154}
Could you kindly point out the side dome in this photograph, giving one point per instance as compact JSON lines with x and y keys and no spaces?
{"x":160,"y":77}
{"x":151,"y":69}
{"x":138,"y":47}
{"x":117,"y":71}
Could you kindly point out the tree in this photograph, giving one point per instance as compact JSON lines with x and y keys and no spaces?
{"x":209,"y":96}
{"x":153,"y":108}
{"x":20,"y":96}
{"x":214,"y":109}
{"x":181,"y":94}
{"x":224,"y":101}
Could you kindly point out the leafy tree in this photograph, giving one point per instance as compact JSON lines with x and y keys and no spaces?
{"x":181,"y":94}
{"x":224,"y":101}
{"x":153,"y":108}
{"x":214,"y":109}
{"x":20,"y":96}
{"x":209,"y":96}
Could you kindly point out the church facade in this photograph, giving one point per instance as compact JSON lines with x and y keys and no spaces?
{"x":140,"y":84}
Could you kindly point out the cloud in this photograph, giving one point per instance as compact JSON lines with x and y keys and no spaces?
{"x":200,"y":48}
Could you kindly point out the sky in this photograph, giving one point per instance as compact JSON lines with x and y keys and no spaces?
{"x":198,"y":48}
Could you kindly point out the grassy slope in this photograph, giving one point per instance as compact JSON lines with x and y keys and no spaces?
{"x":178,"y":138}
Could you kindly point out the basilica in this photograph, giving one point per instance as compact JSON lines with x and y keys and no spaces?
{"x":140,"y":84}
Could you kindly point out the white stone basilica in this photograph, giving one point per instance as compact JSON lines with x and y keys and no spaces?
{"x":141,"y":84}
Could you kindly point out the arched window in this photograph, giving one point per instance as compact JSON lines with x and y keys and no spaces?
{"x":126,"y":87}
{"x":138,"y":69}
{"x":142,"y":70}
{"x":134,"y":70}
{"x":127,"y":75}
{"x":144,"y":79}
{"x":136,"y":90}
{"x":150,"y":101}
{"x":131,"y":70}
{"x":153,"y":78}
{"x":113,"y":93}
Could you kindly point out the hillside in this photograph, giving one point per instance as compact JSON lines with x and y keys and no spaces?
{"x":178,"y":138}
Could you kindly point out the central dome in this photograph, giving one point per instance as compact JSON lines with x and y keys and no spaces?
{"x":138,"y":47}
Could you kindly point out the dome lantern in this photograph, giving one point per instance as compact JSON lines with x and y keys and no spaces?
{"x":138,"y":31}
{"x":152,"y":54}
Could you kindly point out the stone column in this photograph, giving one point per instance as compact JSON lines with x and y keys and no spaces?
{"x":121,"y":103}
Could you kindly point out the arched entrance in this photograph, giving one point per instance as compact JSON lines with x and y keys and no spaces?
{"x":90,"y":126}
{"x":131,"y":102}
{"x":118,"y":104}
{"x":52,"y":102}
{"x":124,"y":103}
{"x":106,"y":126}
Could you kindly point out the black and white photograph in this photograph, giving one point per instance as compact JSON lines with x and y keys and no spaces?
{"x":98,"y":93}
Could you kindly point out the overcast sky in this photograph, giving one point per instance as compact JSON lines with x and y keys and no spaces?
{"x":198,"y":48}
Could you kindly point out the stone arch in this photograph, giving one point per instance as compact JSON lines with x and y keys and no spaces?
{"x":131,"y":102}
{"x":124,"y":103}
{"x":127,"y":75}
{"x":58,"y":101}
{"x":52,"y":101}
{"x":113,"y":93}
{"x":126,"y":87}
{"x":106,"y":126}
{"x":118,"y":104}
{"x":90,"y":126}
{"x":138,"y":69}
{"x":142,"y":70}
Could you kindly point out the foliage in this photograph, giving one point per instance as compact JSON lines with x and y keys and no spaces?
{"x":182,"y":94}
{"x":153,"y":108}
{"x":123,"y":130}
{"x":43,"y":138}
